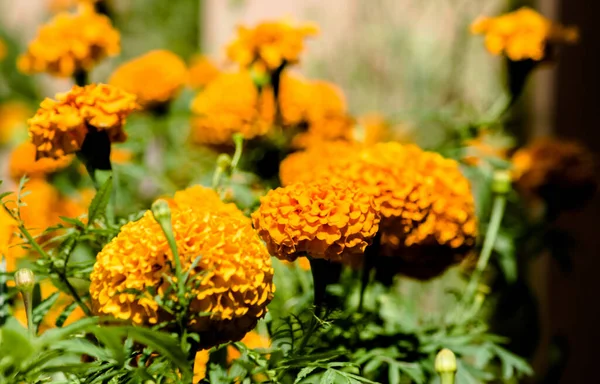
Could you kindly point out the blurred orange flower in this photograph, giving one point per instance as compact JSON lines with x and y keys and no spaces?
{"x":202,"y":71}
{"x":23,"y":162}
{"x":13,"y":115}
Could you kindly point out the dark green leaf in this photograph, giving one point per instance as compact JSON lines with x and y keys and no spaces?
{"x":394,"y":374}
{"x":42,"y":309}
{"x":65,"y":314}
{"x":328,"y":377}
{"x":304,"y":372}
{"x":100,"y":201}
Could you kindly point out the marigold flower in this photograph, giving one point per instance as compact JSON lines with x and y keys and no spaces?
{"x":270,"y":44}
{"x":202,"y":71}
{"x":23,"y":162}
{"x":233,"y":280}
{"x":372,"y":128}
{"x":120,"y":155}
{"x":252,"y":340}
{"x":228,"y":105}
{"x":155,"y":78}
{"x":325,"y":220}
{"x":205,"y":199}
{"x":328,"y":129}
{"x":3,"y":50}
{"x":60,"y":126}
{"x":13,"y":116}
{"x":522,"y":34}
{"x":200,"y":363}
{"x":561,"y":173}
{"x":70,"y":43}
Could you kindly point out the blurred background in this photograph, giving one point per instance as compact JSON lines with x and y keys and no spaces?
{"x":413,"y":61}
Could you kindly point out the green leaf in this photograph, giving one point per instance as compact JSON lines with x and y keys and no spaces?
{"x":394,"y":374}
{"x":42,"y":309}
{"x":512,"y":362}
{"x":328,"y":377}
{"x":14,"y":345}
{"x":65,"y":314}
{"x":100,"y":201}
{"x":413,"y":370}
{"x":505,"y":249}
{"x":304,"y":372}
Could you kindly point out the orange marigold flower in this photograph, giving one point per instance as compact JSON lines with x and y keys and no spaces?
{"x":308,"y":165}
{"x":325,"y":220}
{"x":270,"y":44}
{"x":252,"y":340}
{"x":23,"y":162}
{"x":200,"y":363}
{"x":155,"y":78}
{"x":60,"y":126}
{"x":522,"y":34}
{"x":561,"y":173}
{"x":372,"y":128}
{"x":120,"y":155}
{"x":327,"y":129}
{"x":13,"y":116}
{"x":202,"y":71}
{"x":228,"y":105}
{"x":233,"y":280}
{"x":203,"y":199}
{"x":70,"y":43}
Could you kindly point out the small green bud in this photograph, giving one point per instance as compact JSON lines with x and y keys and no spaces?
{"x":25,"y":280}
{"x":501,"y":183}
{"x":445,"y":361}
{"x":161,"y":210}
{"x":224,"y":161}
{"x":260,"y":77}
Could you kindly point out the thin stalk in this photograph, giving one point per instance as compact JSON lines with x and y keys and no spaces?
{"x":488,"y":246}
{"x":81,"y":78}
{"x":238,"y":139}
{"x":27,"y":302}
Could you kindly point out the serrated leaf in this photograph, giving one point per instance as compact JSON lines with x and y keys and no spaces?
{"x":304,"y":372}
{"x":414,"y":371}
{"x":372,"y":365}
{"x":512,"y":362}
{"x":328,"y":377}
{"x":100,"y":201}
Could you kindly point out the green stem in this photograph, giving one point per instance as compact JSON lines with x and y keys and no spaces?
{"x":488,"y":246}
{"x":447,"y":378}
{"x":27,"y":302}
{"x":63,"y":277}
{"x":81,"y":77}
{"x":238,"y":139}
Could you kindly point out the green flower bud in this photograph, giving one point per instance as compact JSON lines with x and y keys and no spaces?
{"x":501,"y":183}
{"x":25,"y":280}
{"x":224,"y":161}
{"x":161,"y":210}
{"x":445,"y":361}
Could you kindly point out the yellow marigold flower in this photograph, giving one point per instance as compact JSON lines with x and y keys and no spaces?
{"x":205,"y":199}
{"x":155,"y":78}
{"x":60,"y":126}
{"x":306,"y":166}
{"x":70,"y":43}
{"x":200,"y":363}
{"x":270,"y":44}
{"x":3,"y":50}
{"x":522,"y":34}
{"x":23,"y":161}
{"x":13,"y":115}
{"x":333,"y":221}
{"x":233,"y":280}
{"x":120,"y":155}
{"x":327,"y":129}
{"x":372,"y":128}
{"x":561,"y":173}
{"x":252,"y":340}
{"x":202,"y":71}
{"x":228,"y":105}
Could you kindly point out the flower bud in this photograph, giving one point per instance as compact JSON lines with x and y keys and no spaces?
{"x":161,"y":210}
{"x":501,"y":183}
{"x":445,"y":361}
{"x":25,"y":280}
{"x":224,"y":161}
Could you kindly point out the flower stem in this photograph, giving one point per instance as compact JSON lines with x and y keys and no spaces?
{"x":488,"y":246}
{"x":81,"y":78}
{"x":27,"y":302}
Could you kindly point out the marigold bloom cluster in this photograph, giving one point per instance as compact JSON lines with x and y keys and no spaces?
{"x":232,"y":281}
{"x":270,"y":44}
{"x":155,"y":77}
{"x":60,"y":126}
{"x":71,"y":43}
{"x":230,"y":104}
{"x":204,"y":199}
{"x":325,"y":220}
{"x":522,"y":34}
{"x":562,"y":173}
{"x":23,"y":162}
{"x":202,"y":71}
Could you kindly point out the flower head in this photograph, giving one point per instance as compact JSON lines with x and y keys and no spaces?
{"x":202,"y":71}
{"x":228,"y":105}
{"x":13,"y":115}
{"x":522,"y":34}
{"x":325,"y":220}
{"x":71,"y":43}
{"x":252,"y":340}
{"x":60,"y":126}
{"x":270,"y":44}
{"x":200,"y":364}
{"x":232,"y":280}
{"x":155,"y":78}
{"x":561,"y":173}
{"x":23,"y":162}
{"x":205,"y":199}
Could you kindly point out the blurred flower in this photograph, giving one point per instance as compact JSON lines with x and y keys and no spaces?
{"x":22,"y":162}
{"x":200,"y":363}
{"x":303,"y":166}
{"x":252,"y":340}
{"x":522,"y":34}
{"x":155,"y":77}
{"x":325,"y":220}
{"x":205,"y":199}
{"x":202,"y":71}
{"x":70,"y":43}
{"x":232,"y":281}
{"x":327,"y":129}
{"x":120,"y":155}
{"x":302,"y":262}
{"x":562,"y":173}
{"x":270,"y":44}
{"x":371,"y":129}
{"x":13,"y":115}
{"x":230,"y":104}
{"x":3,"y":50}
{"x":60,"y":126}
{"x":487,"y":144}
